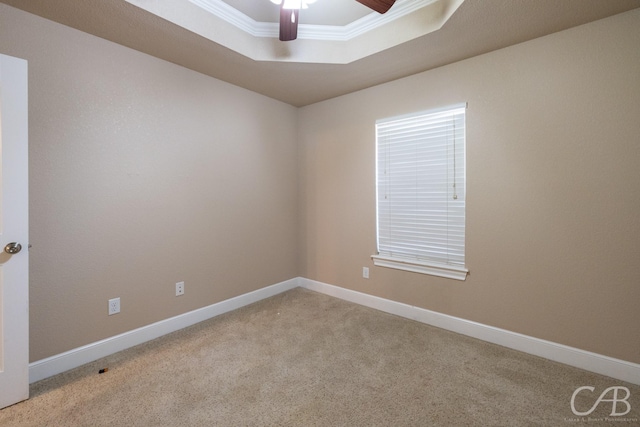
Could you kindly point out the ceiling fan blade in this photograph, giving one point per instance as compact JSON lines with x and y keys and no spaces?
{"x":288,"y":23}
{"x":380,"y":6}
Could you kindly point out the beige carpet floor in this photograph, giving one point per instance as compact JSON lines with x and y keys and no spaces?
{"x":305,"y":359}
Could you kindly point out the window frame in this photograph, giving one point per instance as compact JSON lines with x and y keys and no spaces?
{"x":420,"y":263}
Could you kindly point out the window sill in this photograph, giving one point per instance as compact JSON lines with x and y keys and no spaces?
{"x":431,"y":268}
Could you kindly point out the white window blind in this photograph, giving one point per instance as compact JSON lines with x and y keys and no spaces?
{"x":421,"y":191}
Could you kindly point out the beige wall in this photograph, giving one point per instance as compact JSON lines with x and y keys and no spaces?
{"x":142,"y":174}
{"x":553,"y":201}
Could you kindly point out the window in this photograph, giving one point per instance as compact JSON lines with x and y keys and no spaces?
{"x":421,"y":192}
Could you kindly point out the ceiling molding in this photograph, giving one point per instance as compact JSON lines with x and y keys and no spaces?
{"x":232,"y":15}
{"x":316,"y":44}
{"x":311,"y":32}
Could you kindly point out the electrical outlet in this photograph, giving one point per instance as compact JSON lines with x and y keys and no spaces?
{"x":114,"y":306}
{"x":365,"y":272}
{"x":179,"y":289}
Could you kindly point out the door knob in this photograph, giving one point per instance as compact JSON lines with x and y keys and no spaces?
{"x":13,"y":248}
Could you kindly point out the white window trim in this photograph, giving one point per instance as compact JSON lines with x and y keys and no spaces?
{"x":423,"y":267}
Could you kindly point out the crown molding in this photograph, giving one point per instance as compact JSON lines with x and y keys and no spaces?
{"x":230,"y":14}
{"x":311,"y":32}
{"x":220,"y":23}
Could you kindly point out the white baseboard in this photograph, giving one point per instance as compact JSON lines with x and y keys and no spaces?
{"x":604,"y":365}
{"x":77,"y":357}
{"x":593,"y":362}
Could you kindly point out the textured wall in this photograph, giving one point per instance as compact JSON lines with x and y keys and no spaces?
{"x":553,"y":195}
{"x":142,"y":174}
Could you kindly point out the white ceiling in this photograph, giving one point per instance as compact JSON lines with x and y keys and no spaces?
{"x":474,"y":28}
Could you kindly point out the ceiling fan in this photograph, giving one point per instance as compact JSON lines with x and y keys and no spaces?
{"x":290,"y":11}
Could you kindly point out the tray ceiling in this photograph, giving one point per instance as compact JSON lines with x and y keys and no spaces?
{"x":291,"y":71}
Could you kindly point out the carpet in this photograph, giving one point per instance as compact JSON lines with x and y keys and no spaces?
{"x":306,"y":359}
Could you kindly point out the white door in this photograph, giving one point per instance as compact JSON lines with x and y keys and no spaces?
{"x":14,"y":233}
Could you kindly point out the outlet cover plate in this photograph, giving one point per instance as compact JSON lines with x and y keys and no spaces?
{"x":179,"y":289}
{"x":114,"y":306}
